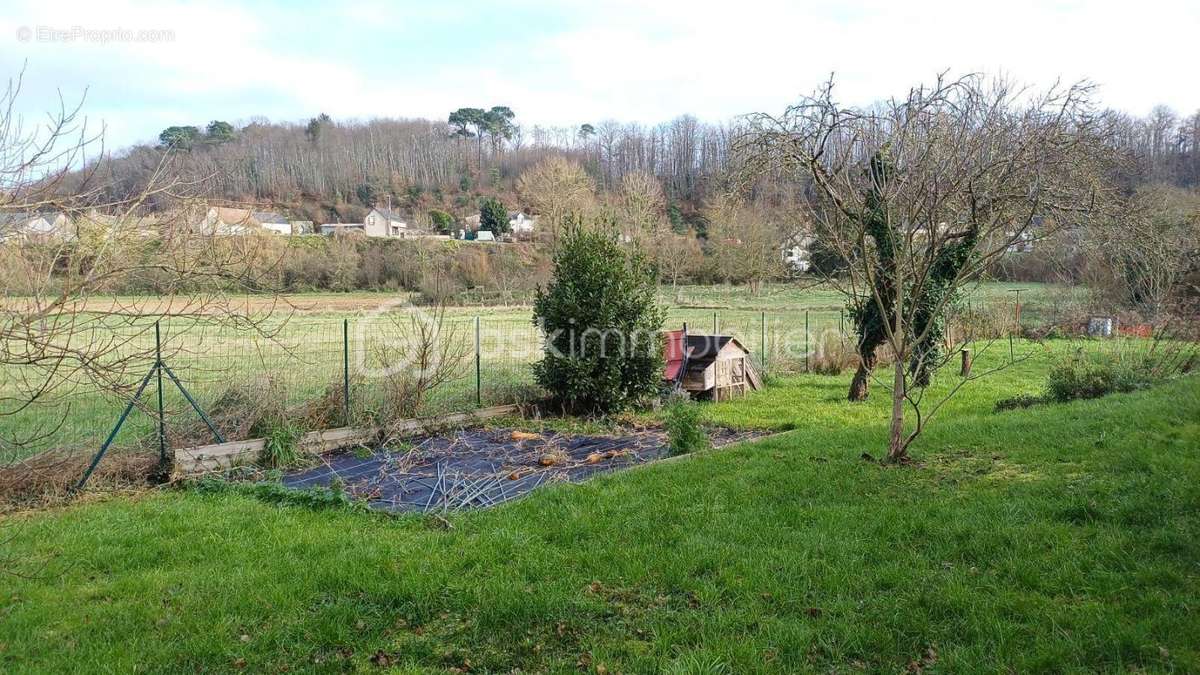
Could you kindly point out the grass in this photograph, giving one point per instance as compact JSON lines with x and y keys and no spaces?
{"x":304,"y":358}
{"x":1060,"y":538}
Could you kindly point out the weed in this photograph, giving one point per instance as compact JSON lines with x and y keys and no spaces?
{"x":682,"y":421}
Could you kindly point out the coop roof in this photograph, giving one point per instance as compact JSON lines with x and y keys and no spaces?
{"x":703,"y":349}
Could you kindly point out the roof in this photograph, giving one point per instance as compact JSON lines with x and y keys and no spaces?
{"x":703,"y":349}
{"x":269,"y":217}
{"x":390,"y":214}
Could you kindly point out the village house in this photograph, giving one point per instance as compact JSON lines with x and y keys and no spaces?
{"x":384,"y":222}
{"x":797,"y":253}
{"x":36,"y":225}
{"x":224,"y":220}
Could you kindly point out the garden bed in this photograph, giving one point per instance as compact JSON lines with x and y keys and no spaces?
{"x":474,"y":468}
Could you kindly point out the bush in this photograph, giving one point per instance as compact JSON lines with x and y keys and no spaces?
{"x":682,"y":422}
{"x":602,"y":323}
{"x":1095,"y":377}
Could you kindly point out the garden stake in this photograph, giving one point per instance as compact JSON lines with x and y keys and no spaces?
{"x":162,"y":422}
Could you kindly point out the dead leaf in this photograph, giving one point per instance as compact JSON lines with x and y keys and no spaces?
{"x":525,"y":436}
{"x":594,"y":458}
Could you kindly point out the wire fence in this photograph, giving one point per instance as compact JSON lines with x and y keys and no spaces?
{"x":328,"y":369}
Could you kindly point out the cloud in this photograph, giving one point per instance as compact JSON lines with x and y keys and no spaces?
{"x":566,"y":63}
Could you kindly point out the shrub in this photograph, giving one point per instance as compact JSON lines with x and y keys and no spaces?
{"x":602,"y":323}
{"x":493,"y":216}
{"x":682,"y":422}
{"x":1094,"y":377}
{"x":1019,"y":401}
{"x":441,"y":221}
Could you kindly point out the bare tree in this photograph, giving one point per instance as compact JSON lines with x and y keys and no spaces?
{"x":919,"y":194}
{"x":65,"y":246}
{"x":1140,"y":258}
{"x":745,"y":240}
{"x":676,"y":255}
{"x":556,"y":189}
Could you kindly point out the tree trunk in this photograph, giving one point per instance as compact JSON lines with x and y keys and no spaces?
{"x":896,"y":449}
{"x":860,"y":385}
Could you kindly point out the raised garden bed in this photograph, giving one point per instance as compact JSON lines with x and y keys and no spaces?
{"x":474,"y":468}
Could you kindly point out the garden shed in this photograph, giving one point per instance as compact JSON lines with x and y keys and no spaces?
{"x":718,"y":366}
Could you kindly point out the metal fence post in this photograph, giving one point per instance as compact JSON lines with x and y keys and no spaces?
{"x":162,"y":420}
{"x":716,"y":330}
{"x":478,"y":368}
{"x":806,"y":344}
{"x":842,"y":323}
{"x":762,"y":339}
{"x":346,"y":369}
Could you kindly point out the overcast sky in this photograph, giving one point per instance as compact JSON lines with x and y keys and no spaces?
{"x":557,"y":62}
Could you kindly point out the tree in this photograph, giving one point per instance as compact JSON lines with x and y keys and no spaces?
{"x":498,"y":122}
{"x":585,"y":132}
{"x":442,"y":221}
{"x":639,"y":204}
{"x":54,"y":345}
{"x":1141,"y":258}
{"x":603,"y":351}
{"x":558,"y":189}
{"x":179,"y":137}
{"x":219,"y":132}
{"x":493,"y":216}
{"x":470,"y":117}
{"x":746,"y":241}
{"x":919,"y":195}
{"x":676,"y":255}
{"x":315,"y":126}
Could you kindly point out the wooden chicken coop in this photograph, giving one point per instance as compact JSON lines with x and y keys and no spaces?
{"x":713,"y":366}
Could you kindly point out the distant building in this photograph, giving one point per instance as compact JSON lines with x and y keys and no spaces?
{"x":223,"y":220}
{"x":797,"y":253}
{"x":36,"y":225}
{"x":384,"y":222}
{"x":343,"y":228}
{"x":518,"y":222}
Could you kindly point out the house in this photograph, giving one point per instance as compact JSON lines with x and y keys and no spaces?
{"x":797,"y":253}
{"x":717,"y":366}
{"x":384,"y":222}
{"x":36,"y":225}
{"x":224,"y":220}
{"x":519,"y":223}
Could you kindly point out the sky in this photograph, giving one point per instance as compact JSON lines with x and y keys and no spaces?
{"x":141,"y":66}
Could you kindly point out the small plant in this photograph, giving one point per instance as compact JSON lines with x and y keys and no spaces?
{"x":1019,"y":402}
{"x":282,"y":447}
{"x":1093,"y":378}
{"x":684,"y":431}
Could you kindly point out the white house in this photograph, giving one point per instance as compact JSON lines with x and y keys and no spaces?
{"x":520,"y":223}
{"x":797,"y":254}
{"x":384,"y":222}
{"x":35,"y":225}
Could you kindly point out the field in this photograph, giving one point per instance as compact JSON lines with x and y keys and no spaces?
{"x":301,"y":359}
{"x":1054,"y":539}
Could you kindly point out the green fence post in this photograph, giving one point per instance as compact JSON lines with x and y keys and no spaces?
{"x":716,"y":330}
{"x":478,"y":368}
{"x":806,"y":345}
{"x":162,"y":420}
{"x":762,"y":339}
{"x":841,"y":323}
{"x":346,"y":369}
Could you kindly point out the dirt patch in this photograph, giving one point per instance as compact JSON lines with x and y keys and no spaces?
{"x":474,"y":468}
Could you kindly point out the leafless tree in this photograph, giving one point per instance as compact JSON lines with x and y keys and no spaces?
{"x":65,"y":245}
{"x":919,"y":194}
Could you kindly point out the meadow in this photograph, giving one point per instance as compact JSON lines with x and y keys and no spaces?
{"x":1061,"y":538}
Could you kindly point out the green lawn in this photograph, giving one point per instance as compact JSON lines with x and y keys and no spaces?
{"x":1059,"y":538}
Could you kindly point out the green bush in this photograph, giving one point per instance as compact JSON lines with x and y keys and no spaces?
{"x":1095,"y":377}
{"x":602,"y":322}
{"x":684,"y":431}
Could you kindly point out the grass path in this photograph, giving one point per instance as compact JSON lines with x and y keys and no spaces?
{"x":1054,"y":539}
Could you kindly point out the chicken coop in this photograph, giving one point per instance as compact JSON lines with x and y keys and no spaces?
{"x":711,"y":366}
